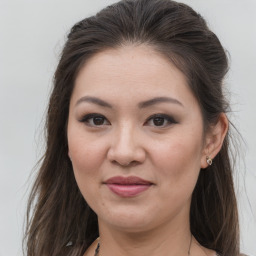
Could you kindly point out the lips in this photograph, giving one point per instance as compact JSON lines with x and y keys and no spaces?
{"x":127,"y":186}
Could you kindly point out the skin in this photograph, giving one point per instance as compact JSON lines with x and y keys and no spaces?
{"x":126,"y":141}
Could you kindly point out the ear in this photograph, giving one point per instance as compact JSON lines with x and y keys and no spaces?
{"x":214,"y":139}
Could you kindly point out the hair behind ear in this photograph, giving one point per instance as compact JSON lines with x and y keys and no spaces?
{"x":214,"y":214}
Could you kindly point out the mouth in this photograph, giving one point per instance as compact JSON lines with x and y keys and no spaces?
{"x":127,"y":186}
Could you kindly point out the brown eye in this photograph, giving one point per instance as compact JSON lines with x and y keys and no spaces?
{"x":94,"y":120}
{"x":98,"y":120}
{"x":160,"y":120}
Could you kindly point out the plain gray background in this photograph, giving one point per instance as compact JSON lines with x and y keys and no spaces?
{"x":32,"y":33}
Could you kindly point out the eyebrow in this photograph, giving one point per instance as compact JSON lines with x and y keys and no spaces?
{"x":143,"y":104}
{"x":94,"y":100}
{"x":158,"y":100}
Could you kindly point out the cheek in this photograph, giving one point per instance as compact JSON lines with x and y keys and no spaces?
{"x":86,"y":156}
{"x":85,"y":150}
{"x":179,"y":160}
{"x":179,"y":166}
{"x":85,"y":162}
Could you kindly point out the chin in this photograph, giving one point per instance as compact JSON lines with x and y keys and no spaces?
{"x":129,"y":221}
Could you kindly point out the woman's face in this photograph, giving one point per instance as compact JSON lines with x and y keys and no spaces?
{"x":135,"y":137}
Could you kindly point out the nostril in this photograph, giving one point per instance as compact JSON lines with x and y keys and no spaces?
{"x":129,"y":164}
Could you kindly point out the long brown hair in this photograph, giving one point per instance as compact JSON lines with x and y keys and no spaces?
{"x":58,"y":215}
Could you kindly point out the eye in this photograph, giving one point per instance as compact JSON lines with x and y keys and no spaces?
{"x":94,"y":119}
{"x":160,"y":120}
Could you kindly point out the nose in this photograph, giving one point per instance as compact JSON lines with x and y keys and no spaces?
{"x":126,"y":147}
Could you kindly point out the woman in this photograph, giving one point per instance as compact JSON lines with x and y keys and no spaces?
{"x":137,"y":156}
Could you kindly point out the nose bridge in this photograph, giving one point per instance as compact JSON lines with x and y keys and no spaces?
{"x":125,"y":135}
{"x":126,"y":146}
{"x":124,"y":142}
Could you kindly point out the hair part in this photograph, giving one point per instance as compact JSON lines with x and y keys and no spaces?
{"x":60,"y":213}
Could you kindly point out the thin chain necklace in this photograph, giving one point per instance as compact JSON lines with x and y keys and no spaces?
{"x":97,"y":250}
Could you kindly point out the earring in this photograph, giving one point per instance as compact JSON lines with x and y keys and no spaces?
{"x":208,"y":160}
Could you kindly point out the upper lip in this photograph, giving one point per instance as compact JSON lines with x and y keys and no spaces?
{"x":130,"y":180}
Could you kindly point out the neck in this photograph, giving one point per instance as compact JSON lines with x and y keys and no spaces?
{"x":160,"y":241}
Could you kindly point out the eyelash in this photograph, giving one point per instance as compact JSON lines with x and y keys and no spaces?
{"x":86,"y":119}
{"x":168,"y":120}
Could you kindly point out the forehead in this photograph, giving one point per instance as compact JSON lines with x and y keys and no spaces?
{"x":131,"y":72}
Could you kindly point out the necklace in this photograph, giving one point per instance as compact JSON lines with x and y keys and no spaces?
{"x":97,"y":250}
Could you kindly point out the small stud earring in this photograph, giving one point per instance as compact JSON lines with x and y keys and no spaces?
{"x":208,"y":160}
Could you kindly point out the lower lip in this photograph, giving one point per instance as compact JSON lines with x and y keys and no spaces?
{"x":128,"y":190}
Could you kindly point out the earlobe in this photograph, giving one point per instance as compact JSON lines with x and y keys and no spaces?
{"x":208,"y":160}
{"x":214,"y":140}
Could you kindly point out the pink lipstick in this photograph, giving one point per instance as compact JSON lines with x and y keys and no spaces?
{"x":127,"y":186}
